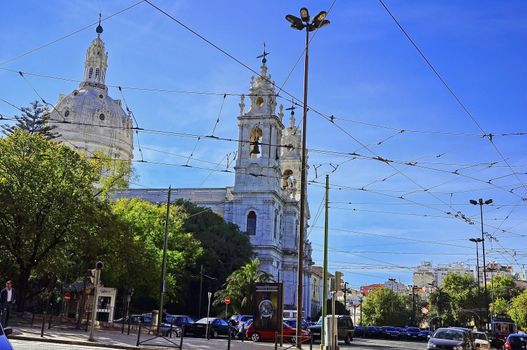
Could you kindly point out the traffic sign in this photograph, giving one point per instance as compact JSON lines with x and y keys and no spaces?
{"x":227,"y":300}
{"x":67,"y":296}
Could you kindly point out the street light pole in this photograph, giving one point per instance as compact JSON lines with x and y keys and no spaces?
{"x":481,"y":202}
{"x":300,"y":24}
{"x":477,"y":240}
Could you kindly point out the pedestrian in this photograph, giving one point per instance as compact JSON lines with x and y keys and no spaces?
{"x":7,"y":300}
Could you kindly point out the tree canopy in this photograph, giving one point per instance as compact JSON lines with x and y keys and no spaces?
{"x":518,"y":310}
{"x":240,"y":287}
{"x":46,"y":192}
{"x":384,"y":307}
{"x":34,"y":120}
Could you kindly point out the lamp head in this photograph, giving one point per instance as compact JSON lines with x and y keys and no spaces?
{"x":296,"y":22}
{"x":320,"y":19}
{"x":488,"y":201}
{"x":472,"y":201}
{"x":304,"y":14}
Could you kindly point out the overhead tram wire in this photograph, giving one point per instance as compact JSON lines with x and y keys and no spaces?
{"x":89,"y":26}
{"x":130,"y":113}
{"x":212,"y":93}
{"x":424,"y":190}
{"x":450,"y":90}
{"x":315,"y":182}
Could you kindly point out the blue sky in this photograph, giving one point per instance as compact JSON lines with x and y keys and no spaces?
{"x":363,"y":71}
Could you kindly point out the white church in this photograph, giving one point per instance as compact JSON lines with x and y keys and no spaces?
{"x":265,"y":199}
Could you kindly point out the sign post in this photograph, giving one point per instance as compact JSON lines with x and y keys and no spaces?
{"x":227,"y":302}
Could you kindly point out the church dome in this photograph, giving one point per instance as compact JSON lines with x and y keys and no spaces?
{"x":88,"y":119}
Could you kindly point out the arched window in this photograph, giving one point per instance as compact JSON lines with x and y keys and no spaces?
{"x":255,"y":143}
{"x":90,"y":73}
{"x":96,"y":73}
{"x":251,"y":223}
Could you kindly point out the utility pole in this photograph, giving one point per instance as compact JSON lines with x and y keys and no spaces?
{"x":345,"y":295}
{"x":200,"y":289}
{"x":325,"y":267}
{"x":164,"y":264}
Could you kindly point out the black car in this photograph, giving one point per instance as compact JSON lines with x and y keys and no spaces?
{"x":450,"y":338}
{"x":391,"y":332}
{"x":516,"y":342}
{"x":372,"y":331}
{"x":345,"y":328}
{"x":412,"y":333}
{"x":216,"y":327}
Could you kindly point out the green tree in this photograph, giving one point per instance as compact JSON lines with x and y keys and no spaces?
{"x":384,"y":307}
{"x":518,"y":310}
{"x":225,"y":249}
{"x":34,"y":120}
{"x":240,"y":287}
{"x":464,"y":302}
{"x":47,"y":201}
{"x":440,"y":307}
{"x":503,"y":287}
{"x":142,"y":270}
{"x":499,"y":307}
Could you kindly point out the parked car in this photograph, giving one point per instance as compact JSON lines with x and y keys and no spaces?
{"x":391,"y":332}
{"x":4,"y":342}
{"x":412,"y":333}
{"x":345,"y":328}
{"x":424,"y":334}
{"x":358,"y":331}
{"x":269,"y":335}
{"x":516,"y":341}
{"x":292,"y":322}
{"x":495,"y":341}
{"x":481,"y":341}
{"x":450,"y":338}
{"x":177,"y":322}
{"x":372,"y":331}
{"x":240,"y":318}
{"x":216,"y":326}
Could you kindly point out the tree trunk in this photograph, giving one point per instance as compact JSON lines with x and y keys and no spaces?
{"x":21,"y":288}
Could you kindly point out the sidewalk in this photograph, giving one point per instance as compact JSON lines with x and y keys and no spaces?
{"x":103,"y":338}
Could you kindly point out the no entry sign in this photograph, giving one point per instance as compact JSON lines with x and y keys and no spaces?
{"x":227,"y":300}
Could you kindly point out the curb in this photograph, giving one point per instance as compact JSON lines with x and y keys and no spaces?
{"x":76,"y":342}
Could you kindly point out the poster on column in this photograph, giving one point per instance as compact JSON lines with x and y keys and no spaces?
{"x":268,"y":306}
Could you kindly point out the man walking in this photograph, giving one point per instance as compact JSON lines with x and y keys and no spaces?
{"x":7,"y":300}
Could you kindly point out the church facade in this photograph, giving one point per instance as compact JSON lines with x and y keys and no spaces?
{"x":265,"y":198}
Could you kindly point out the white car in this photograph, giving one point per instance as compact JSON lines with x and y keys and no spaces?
{"x":481,"y":340}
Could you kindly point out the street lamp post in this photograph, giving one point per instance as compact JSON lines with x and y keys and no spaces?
{"x":300,"y":24}
{"x":477,"y":240}
{"x":209,"y":294}
{"x":413,"y":304}
{"x":481,"y":202}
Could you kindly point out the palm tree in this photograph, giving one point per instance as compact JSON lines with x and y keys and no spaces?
{"x":240,"y":287}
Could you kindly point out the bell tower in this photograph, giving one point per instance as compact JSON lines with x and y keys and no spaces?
{"x":96,"y":62}
{"x":260,"y":135}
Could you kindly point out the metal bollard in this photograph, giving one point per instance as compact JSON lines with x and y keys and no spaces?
{"x":87,"y":321}
{"x":275,"y":340}
{"x":229,"y":339}
{"x":139,"y":333}
{"x":181,"y":337}
{"x":43,"y":324}
{"x":129,"y":318}
{"x":50,"y":317}
{"x":243,"y":332}
{"x":32,"y":318}
{"x":311,"y":342}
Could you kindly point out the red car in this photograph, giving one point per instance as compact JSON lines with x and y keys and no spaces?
{"x":263,"y":335}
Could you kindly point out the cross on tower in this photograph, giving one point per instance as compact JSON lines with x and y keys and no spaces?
{"x":292,"y":108}
{"x":263,"y":55}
